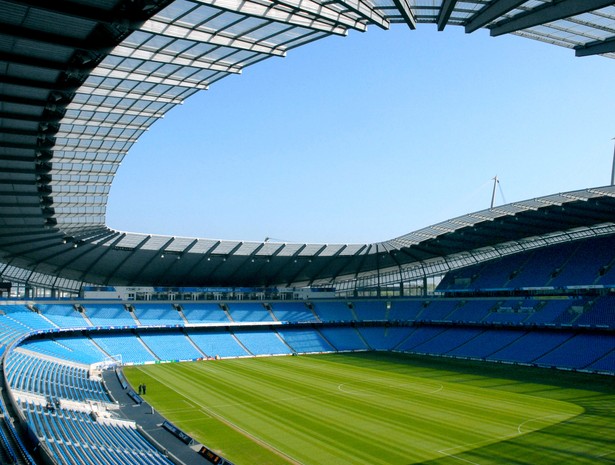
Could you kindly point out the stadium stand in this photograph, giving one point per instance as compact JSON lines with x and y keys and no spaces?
{"x":75,"y":437}
{"x":217,"y":343}
{"x":50,"y":378}
{"x":157,"y":314}
{"x":343,"y":338}
{"x":63,"y":316}
{"x":249,"y":312}
{"x":579,"y":351}
{"x":82,"y":80}
{"x":383,"y":338}
{"x":74,"y":348}
{"x":446,"y":340}
{"x":472,"y":312}
{"x":486,"y":343}
{"x":600,"y":314}
{"x":439,"y":310}
{"x":204,"y":313}
{"x":49,"y":373}
{"x":53,"y":371}
{"x":109,"y":315}
{"x":305,"y":340}
{"x":586,"y":263}
{"x":293,"y":312}
{"x":334,"y":311}
{"x":129,"y":346}
{"x":261,"y":341}
{"x":406,"y":310}
{"x":531,"y":346}
{"x":171,"y":346}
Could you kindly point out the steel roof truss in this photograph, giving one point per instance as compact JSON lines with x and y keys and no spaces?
{"x":445,"y":13}
{"x":365,"y":10}
{"x":327,"y":263}
{"x":491,"y":12}
{"x":208,"y":37}
{"x":83,"y":250}
{"x":158,"y":254}
{"x":407,"y":13}
{"x":173,"y":263}
{"x":269,"y":11}
{"x":596,"y":48}
{"x":128,"y":256}
{"x":308,"y":261}
{"x":283,"y":265}
{"x":546,"y":13}
{"x":179,"y":60}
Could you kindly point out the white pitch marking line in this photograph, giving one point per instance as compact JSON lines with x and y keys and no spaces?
{"x":459,"y":458}
{"x":499,"y":438}
{"x":341,"y":386}
{"x":539,"y":418}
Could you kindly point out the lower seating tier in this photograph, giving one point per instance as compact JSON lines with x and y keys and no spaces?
{"x":76,"y":437}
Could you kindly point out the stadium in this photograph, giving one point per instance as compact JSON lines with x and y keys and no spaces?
{"x":484,"y":339}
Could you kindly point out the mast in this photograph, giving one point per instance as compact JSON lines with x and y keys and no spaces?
{"x":613,"y":169}
{"x":495,"y":183}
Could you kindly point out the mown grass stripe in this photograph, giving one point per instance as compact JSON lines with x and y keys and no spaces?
{"x":394,"y":410}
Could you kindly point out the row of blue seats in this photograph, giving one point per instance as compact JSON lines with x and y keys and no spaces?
{"x":587,"y":262}
{"x":74,"y":437}
{"x":565,"y":349}
{"x":567,"y":311}
{"x":52,"y":379}
{"x":578,"y":351}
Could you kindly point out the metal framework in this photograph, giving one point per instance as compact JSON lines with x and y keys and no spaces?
{"x":80,"y":81}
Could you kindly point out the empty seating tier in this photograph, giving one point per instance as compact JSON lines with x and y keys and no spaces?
{"x":49,"y":378}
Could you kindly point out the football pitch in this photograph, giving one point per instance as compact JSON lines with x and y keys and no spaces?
{"x":385,"y":408}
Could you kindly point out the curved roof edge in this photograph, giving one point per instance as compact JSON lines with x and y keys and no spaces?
{"x":83,"y":80}
{"x":104,"y":256}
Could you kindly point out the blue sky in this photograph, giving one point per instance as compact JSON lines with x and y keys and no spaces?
{"x":368,"y":137}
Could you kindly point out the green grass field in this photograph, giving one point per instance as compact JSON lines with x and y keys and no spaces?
{"x":379,"y":408}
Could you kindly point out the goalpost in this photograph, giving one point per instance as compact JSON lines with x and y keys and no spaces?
{"x":108,"y":363}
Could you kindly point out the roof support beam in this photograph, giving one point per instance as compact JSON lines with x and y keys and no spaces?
{"x":53,"y":118}
{"x":285,"y":15}
{"x":161,"y":57}
{"x":491,"y":12}
{"x":596,"y":48}
{"x":81,"y":11}
{"x":306,"y":261}
{"x":139,"y":77}
{"x":210,"y":37}
{"x":326,"y":264}
{"x":127,"y":15}
{"x":344,"y":264}
{"x":105,"y":248}
{"x":49,"y":38}
{"x":22,"y":100}
{"x":365,"y":10}
{"x":22,"y":82}
{"x":18,"y":132}
{"x":173,"y":264}
{"x":547,"y":13}
{"x":122,"y":261}
{"x":204,"y":257}
{"x":89,"y":90}
{"x":32,"y":61}
{"x":445,"y":13}
{"x":405,"y":9}
{"x":159,"y":254}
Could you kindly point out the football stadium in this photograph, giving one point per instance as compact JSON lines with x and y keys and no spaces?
{"x":485,"y":339}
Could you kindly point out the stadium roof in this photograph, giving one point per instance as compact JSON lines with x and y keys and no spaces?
{"x":81,"y":80}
